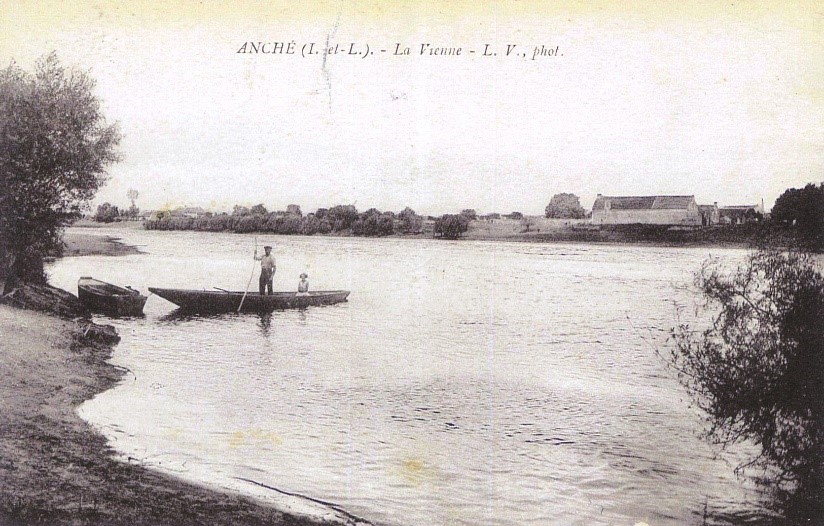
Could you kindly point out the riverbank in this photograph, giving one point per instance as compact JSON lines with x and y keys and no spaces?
{"x":82,"y":244}
{"x":534,"y":229}
{"x":738,"y":236}
{"x":543,"y":230}
{"x":57,"y":469}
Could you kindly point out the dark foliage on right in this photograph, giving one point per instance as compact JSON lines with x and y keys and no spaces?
{"x":803,"y":209}
{"x":757,"y":371}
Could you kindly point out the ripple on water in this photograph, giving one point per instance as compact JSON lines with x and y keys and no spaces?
{"x":463,"y":383}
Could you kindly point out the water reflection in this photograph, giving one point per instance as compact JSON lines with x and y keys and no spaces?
{"x":792,"y":505}
{"x":779,"y":507}
{"x":181,"y":315}
{"x":265,"y":323}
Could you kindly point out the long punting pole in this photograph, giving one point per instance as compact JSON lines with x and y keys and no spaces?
{"x":245,"y":292}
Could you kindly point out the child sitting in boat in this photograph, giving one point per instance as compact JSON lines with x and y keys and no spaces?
{"x":303,"y":286}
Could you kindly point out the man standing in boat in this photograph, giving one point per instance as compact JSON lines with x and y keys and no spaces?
{"x":267,"y":270}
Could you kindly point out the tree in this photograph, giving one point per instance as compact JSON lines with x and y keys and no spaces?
{"x":294,"y":210}
{"x":310,"y":226}
{"x":133,"y":194}
{"x":373,"y":222}
{"x":258,"y":210}
{"x":565,"y":206}
{"x":803,"y":208}
{"x":106,"y":213}
{"x":450,"y":226}
{"x":341,"y":217}
{"x":239,"y":210}
{"x":469,"y":213}
{"x":757,"y":371}
{"x":55,"y":148}
{"x":163,"y":215}
{"x":411,"y":223}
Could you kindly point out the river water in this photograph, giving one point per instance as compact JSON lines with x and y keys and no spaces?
{"x":462,"y":383}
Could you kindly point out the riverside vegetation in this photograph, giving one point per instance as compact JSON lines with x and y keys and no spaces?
{"x":757,"y":371}
{"x":341,"y":219}
{"x":347,"y":221}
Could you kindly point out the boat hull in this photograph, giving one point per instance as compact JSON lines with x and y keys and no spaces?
{"x":230,"y":301}
{"x":112,"y":300}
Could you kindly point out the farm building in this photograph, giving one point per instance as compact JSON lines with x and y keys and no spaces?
{"x":146,"y":215}
{"x":709,"y":214}
{"x":646,"y":210}
{"x":188,"y":211}
{"x":739,"y":214}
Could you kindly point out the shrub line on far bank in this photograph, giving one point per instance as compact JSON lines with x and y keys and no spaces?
{"x":341,"y":220}
{"x":338,"y":219}
{"x":456,"y":226}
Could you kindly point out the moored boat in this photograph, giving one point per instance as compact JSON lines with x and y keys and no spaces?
{"x":113,"y":300}
{"x":229,"y":301}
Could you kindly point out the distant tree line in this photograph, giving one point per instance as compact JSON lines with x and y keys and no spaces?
{"x":107,"y":213}
{"x":798,"y":219}
{"x":337,"y":219}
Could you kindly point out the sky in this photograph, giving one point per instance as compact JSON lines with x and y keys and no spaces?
{"x":721,"y":100}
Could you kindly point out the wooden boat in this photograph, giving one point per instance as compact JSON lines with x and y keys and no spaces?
{"x":229,"y":301}
{"x":99,"y":296}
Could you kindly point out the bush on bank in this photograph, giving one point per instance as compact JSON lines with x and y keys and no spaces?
{"x":450,"y":226}
{"x":757,"y":371}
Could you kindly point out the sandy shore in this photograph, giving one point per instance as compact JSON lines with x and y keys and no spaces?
{"x":56,"y":469}
{"x":82,"y":244}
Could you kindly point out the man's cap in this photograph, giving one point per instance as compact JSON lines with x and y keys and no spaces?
{"x":304,"y":275}
{"x":268,"y":246}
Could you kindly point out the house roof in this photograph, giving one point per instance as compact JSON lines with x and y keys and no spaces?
{"x":188,"y":210}
{"x":707,"y":208}
{"x":646,"y":202}
{"x":738,"y":211}
{"x":739,"y":207}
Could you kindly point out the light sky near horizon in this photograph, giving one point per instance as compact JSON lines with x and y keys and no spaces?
{"x":720,"y":100}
